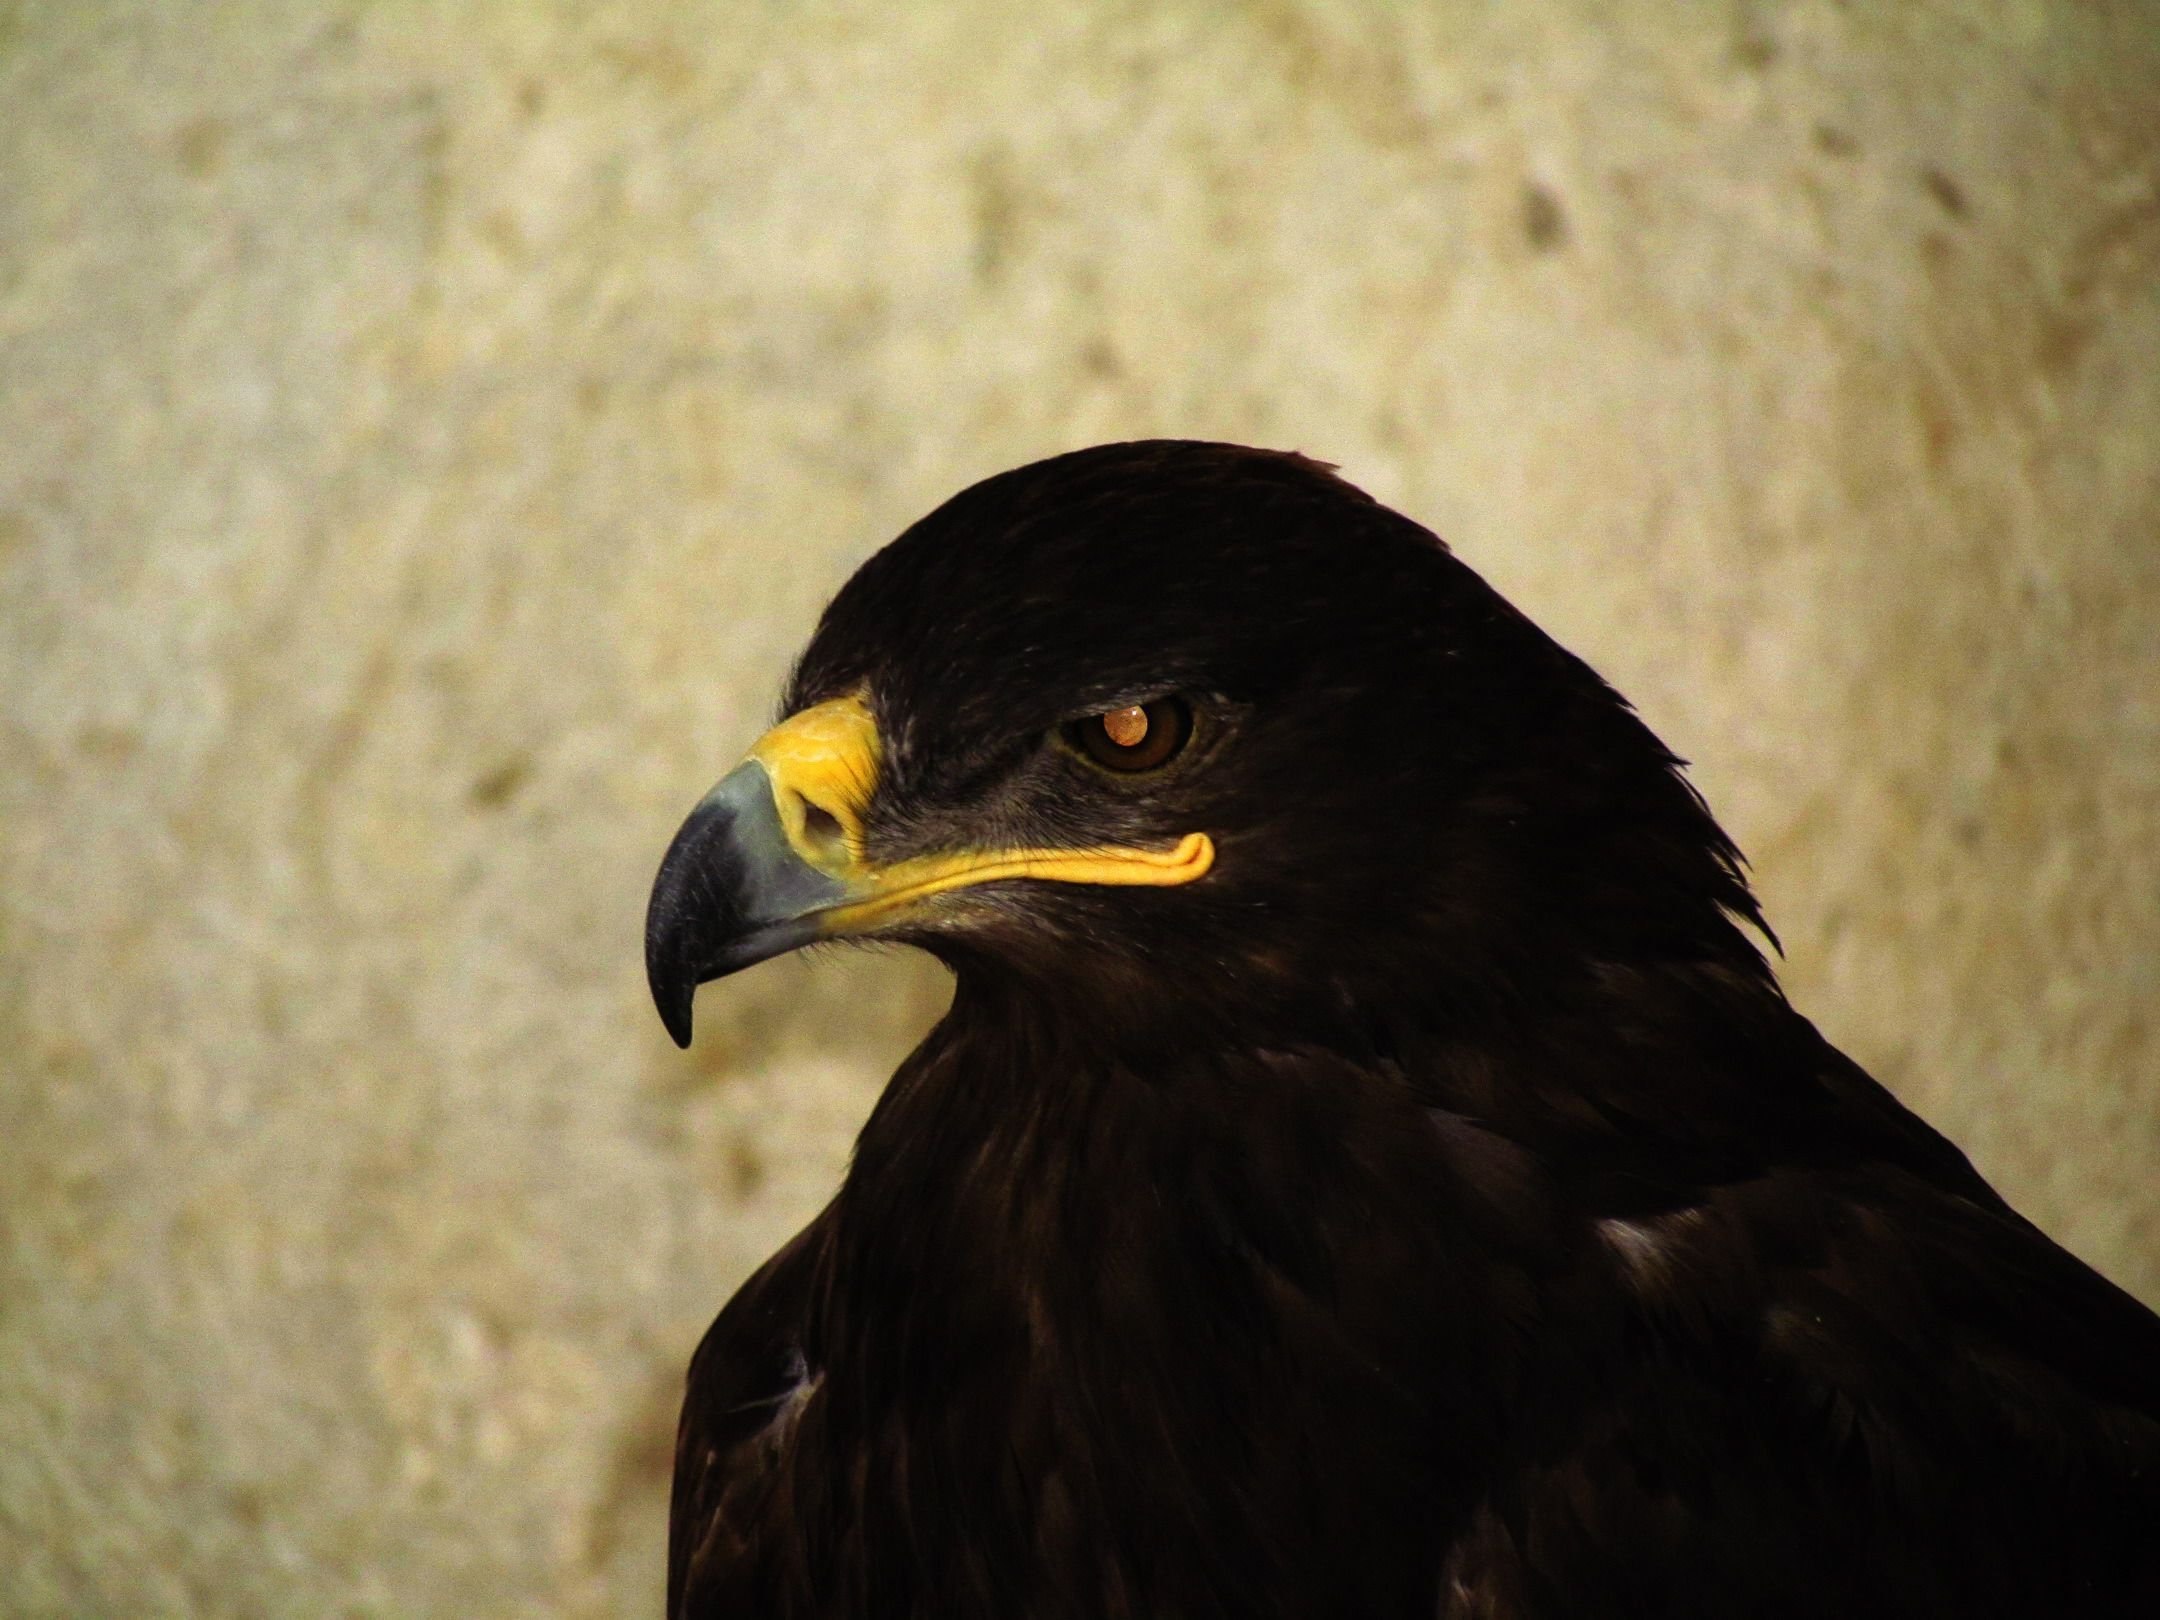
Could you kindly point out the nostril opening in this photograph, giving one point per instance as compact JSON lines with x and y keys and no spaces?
{"x":821,"y":828}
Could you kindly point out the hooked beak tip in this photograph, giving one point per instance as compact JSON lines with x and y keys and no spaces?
{"x":672,"y":980}
{"x":673,"y":1003}
{"x":731,"y":891}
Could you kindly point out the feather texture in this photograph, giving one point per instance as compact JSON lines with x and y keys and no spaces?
{"x":1436,"y":1210}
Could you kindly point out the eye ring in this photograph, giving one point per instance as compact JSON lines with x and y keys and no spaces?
{"x":1136,"y":737}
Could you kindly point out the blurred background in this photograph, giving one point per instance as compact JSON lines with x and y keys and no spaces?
{"x":426,"y":432}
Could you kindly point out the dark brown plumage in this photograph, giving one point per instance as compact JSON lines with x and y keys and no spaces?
{"x":1421,"y":1200}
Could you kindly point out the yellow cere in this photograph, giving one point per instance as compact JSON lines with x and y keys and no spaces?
{"x":825,"y":758}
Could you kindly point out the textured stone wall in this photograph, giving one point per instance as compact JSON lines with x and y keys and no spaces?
{"x":426,"y":431}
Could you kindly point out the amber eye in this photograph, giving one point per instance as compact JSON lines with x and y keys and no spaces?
{"x":1138,"y":737}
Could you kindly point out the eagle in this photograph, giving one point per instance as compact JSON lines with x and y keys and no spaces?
{"x":1368,"y":1167}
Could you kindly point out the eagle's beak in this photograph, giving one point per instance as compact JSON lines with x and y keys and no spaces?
{"x":773,"y":858}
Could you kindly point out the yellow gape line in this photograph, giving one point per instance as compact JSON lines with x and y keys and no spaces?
{"x":823,"y":764}
{"x":925,"y":875}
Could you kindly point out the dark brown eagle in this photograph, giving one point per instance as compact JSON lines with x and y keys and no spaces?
{"x":1367,"y":1168}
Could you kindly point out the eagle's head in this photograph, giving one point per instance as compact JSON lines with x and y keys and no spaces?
{"x":1192,"y":731}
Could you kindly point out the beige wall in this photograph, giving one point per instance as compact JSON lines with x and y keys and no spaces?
{"x":425,"y":433}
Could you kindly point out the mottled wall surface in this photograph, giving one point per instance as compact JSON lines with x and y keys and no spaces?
{"x":425,"y":433}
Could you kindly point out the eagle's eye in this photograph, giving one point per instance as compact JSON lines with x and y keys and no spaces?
{"x":1138,"y":737}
